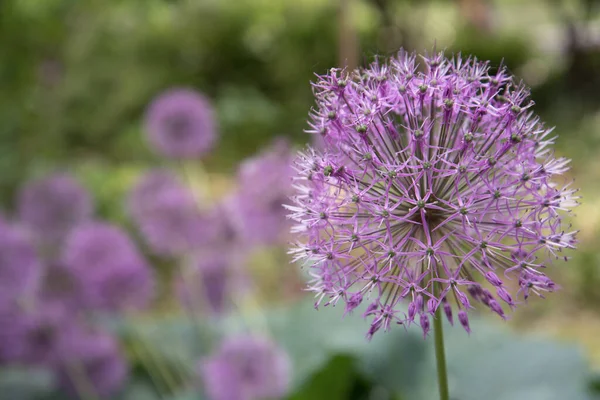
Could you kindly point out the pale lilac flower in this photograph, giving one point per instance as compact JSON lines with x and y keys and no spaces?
{"x":52,"y":206}
{"x":91,"y":364}
{"x":20,"y":267}
{"x":246,"y":368}
{"x":166,"y":214}
{"x":264,"y":185}
{"x":180,"y":123}
{"x":435,"y":177}
{"x":111,"y":272}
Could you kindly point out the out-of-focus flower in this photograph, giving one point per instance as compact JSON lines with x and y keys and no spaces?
{"x":246,"y":368}
{"x":265,"y":184}
{"x":180,"y":124}
{"x":20,"y":268}
{"x":108,"y":267}
{"x":207,"y":284}
{"x":61,"y":285}
{"x":91,"y":365}
{"x":29,"y":333}
{"x":52,"y":206}
{"x":429,"y":184}
{"x":214,"y":274}
{"x":166,"y":214}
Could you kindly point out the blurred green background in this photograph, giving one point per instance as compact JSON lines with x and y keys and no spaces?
{"x":76,"y":76}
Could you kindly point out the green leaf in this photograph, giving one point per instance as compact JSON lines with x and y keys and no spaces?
{"x":334,"y":381}
{"x":25,"y":383}
{"x":490,"y":363}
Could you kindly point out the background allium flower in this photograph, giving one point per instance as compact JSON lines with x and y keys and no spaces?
{"x":180,"y":123}
{"x":166,"y":214}
{"x":29,"y":335}
{"x":265,"y":183}
{"x":108,"y":267}
{"x":52,"y":206}
{"x":215,"y":273}
{"x":246,"y":368}
{"x":61,"y":285}
{"x":430,"y":185}
{"x":96,"y":360}
{"x":206,"y":284}
{"x":20,"y":268}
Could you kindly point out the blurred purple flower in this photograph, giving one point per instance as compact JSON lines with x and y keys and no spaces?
{"x":29,"y":334}
{"x":429,"y":184}
{"x":246,"y":368}
{"x":91,"y":364}
{"x":108,"y":267}
{"x":166,"y":214}
{"x":210,"y":283}
{"x":61,"y":285}
{"x":52,"y":206}
{"x":20,"y":268}
{"x":180,"y":123}
{"x":265,"y":184}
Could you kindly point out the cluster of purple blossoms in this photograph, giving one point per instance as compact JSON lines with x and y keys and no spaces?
{"x":246,"y":368}
{"x":436,"y":185}
{"x":52,"y":206}
{"x":264,"y":185}
{"x":58,"y":268}
{"x":86,"y":361}
{"x":166,"y":214}
{"x":180,"y":124}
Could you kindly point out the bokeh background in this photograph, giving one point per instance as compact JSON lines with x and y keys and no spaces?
{"x":76,"y":80}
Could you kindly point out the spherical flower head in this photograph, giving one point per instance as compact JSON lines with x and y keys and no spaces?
{"x":437,"y":185}
{"x":166,"y":214}
{"x":61,"y":285}
{"x":246,"y":368}
{"x":264,"y":185}
{"x":206,"y":285}
{"x":180,"y":124}
{"x":30,"y":334}
{"x":52,"y":206}
{"x":20,"y":267}
{"x":111,"y":272}
{"x":91,"y":364}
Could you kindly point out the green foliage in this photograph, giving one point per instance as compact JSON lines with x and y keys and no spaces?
{"x":333,"y":360}
{"x":76,"y":83}
{"x":25,"y":383}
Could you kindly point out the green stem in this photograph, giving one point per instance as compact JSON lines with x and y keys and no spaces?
{"x":440,"y":355}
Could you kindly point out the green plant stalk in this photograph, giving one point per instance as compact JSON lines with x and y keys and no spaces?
{"x":440,"y":355}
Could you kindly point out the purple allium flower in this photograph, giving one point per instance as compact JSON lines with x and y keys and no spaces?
{"x":265,"y":183}
{"x":434,"y":180}
{"x":20,"y":268}
{"x":180,"y":123}
{"x":246,"y":368}
{"x":206,"y":285}
{"x":166,"y":214}
{"x":215,"y":271}
{"x":52,"y":206}
{"x":91,"y":365}
{"x":29,"y":334}
{"x":110,"y":270}
{"x":61,"y":285}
